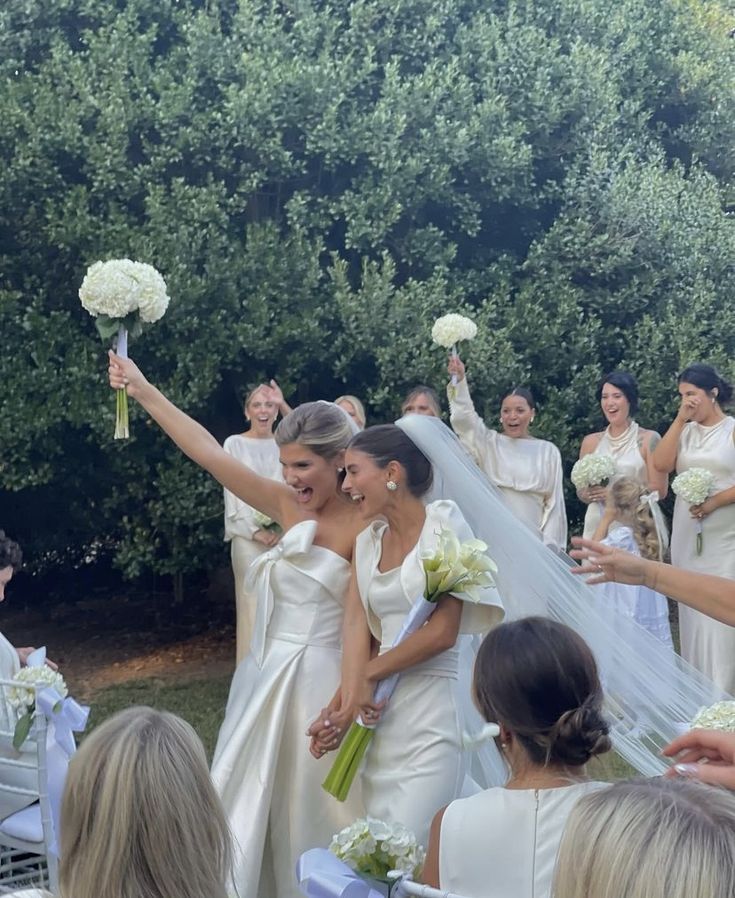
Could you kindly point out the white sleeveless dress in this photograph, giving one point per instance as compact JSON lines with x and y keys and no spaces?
{"x":528,"y":472}
{"x":706,"y":643}
{"x":502,"y":843}
{"x":261,"y":456}
{"x":413,"y":766}
{"x":629,"y":463}
{"x":269,"y":784}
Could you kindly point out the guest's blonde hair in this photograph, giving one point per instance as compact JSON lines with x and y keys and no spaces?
{"x":629,"y":497}
{"x":140,"y":817}
{"x":359,"y":408}
{"x":656,"y":838}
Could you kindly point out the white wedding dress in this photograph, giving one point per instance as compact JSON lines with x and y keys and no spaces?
{"x":502,"y":843}
{"x":414,"y":765}
{"x":269,"y":784}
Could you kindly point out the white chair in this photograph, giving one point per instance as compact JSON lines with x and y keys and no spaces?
{"x":25,"y":834}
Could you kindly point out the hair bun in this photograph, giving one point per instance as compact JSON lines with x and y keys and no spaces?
{"x":579,"y":735}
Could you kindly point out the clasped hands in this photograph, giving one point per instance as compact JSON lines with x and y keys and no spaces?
{"x":329,"y":728}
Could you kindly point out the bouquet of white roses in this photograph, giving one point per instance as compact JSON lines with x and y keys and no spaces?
{"x":694,"y":486}
{"x":450,"y":329}
{"x":375,"y":848}
{"x":122,"y":295}
{"x":720,"y":716}
{"x":593,"y":470}
{"x":23,"y":699}
{"x":461,"y":569}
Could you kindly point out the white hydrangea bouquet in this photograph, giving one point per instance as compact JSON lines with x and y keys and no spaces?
{"x":694,"y":486}
{"x":122,"y":296}
{"x":593,"y":470}
{"x":23,"y":699}
{"x":448,"y":330}
{"x":374,"y":848}
{"x":462,"y":569}
{"x":720,"y":716}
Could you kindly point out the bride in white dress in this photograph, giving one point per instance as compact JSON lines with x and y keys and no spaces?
{"x":413,"y":764}
{"x":268,"y":783}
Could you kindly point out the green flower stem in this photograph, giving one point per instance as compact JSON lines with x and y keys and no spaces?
{"x":122,"y":429}
{"x":346,"y":764}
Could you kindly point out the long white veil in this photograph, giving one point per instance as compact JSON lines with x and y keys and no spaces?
{"x":650,"y":692}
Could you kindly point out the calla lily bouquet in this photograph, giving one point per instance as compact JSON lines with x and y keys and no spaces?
{"x":458,"y":568}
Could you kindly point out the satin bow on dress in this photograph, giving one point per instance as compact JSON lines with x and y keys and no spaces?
{"x":294,"y":542}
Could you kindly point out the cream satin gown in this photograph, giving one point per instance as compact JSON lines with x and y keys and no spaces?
{"x":502,"y":843}
{"x":706,"y":643}
{"x":413,"y":766}
{"x":628,"y":462}
{"x":528,"y":472}
{"x":269,"y":784}
{"x":261,"y":456}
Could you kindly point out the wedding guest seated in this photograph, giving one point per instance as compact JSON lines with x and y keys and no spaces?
{"x":11,"y":658}
{"x":537,"y":679}
{"x":656,"y":838}
{"x":140,"y":816}
{"x":422,"y":400}
{"x":354,"y":408}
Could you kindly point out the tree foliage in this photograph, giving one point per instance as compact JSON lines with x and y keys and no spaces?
{"x":317,"y":180}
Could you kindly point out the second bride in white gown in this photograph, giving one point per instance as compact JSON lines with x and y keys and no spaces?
{"x":413,"y":765}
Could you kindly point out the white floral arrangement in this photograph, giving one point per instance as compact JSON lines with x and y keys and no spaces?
{"x":693,"y":487}
{"x":264,"y":522}
{"x":122,"y":295}
{"x":593,"y":470}
{"x":23,"y":699}
{"x":720,"y":716}
{"x":374,"y":848}
{"x":450,"y":329}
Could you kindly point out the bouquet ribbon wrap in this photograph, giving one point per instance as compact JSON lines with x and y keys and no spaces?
{"x":321,"y":875}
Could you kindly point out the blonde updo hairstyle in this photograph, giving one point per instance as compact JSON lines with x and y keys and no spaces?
{"x":321,"y":427}
{"x":140,"y":816}
{"x":649,"y":838}
{"x":359,"y":408}
{"x":539,"y":679}
{"x":627,"y":497}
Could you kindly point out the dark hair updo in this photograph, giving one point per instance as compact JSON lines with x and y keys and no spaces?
{"x":10,"y":554}
{"x":524,"y":393}
{"x":385,"y":443}
{"x":626,"y":383}
{"x":707,"y":378}
{"x":539,"y":678}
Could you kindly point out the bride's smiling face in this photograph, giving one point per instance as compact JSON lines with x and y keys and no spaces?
{"x":313,"y":477}
{"x":365,"y":483}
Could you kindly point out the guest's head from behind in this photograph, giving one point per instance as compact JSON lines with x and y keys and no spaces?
{"x":11,"y":559}
{"x":538,"y":680}
{"x":312,"y":442}
{"x":383,"y":467}
{"x":628,"y":502}
{"x":517,"y":412}
{"x":354,"y":408}
{"x":707,"y":391}
{"x":422,"y":400}
{"x":261,"y":411}
{"x":617,"y":393}
{"x":140,"y":815}
{"x":654,"y":838}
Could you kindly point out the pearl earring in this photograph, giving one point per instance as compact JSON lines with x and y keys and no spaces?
{"x":391,"y":485}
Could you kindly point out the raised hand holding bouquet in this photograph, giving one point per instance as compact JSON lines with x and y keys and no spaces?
{"x":459,"y":569}
{"x":450,"y":329}
{"x":694,"y":486}
{"x":123,"y":295}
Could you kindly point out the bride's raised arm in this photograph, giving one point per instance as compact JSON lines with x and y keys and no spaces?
{"x":272,"y":498}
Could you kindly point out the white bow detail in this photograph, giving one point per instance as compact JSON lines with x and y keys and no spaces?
{"x":296,"y":541}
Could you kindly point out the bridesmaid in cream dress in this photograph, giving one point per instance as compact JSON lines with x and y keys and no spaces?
{"x":630,"y":445}
{"x":269,"y":785}
{"x":413,"y":764}
{"x":702,"y":436}
{"x":248,"y":539}
{"x":527,"y":471}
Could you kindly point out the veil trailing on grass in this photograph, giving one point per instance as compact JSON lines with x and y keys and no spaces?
{"x":650,"y":692}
